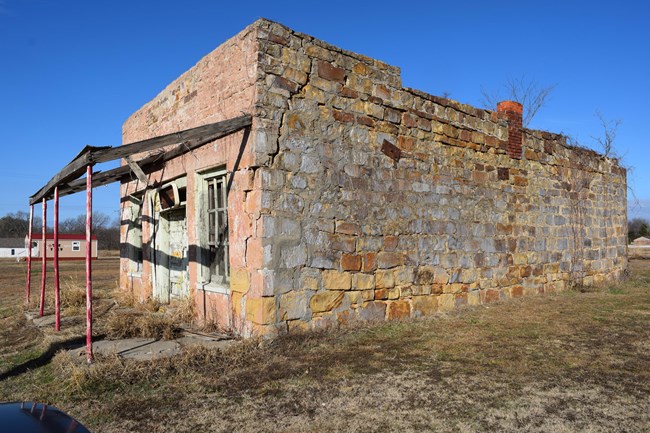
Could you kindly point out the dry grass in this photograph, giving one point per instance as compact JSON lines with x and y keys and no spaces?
{"x":131,"y":324}
{"x":149,"y":319}
{"x":570,"y":362}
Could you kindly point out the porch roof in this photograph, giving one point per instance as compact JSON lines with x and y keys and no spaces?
{"x":70,"y":180}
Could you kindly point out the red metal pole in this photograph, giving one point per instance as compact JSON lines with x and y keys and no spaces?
{"x":29,"y":255}
{"x":41,"y":304}
{"x":89,"y":287}
{"x":57,"y":288}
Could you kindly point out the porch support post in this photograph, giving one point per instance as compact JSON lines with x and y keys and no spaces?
{"x":28,"y":287}
{"x":43,"y":248}
{"x":57,"y":288}
{"x":89,"y":288}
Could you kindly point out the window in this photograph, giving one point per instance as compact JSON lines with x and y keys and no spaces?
{"x":216,"y":207}
{"x":76,"y":246}
{"x":13,"y":252}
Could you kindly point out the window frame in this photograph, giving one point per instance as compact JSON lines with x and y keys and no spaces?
{"x":202,"y":221}
{"x":76,"y":246}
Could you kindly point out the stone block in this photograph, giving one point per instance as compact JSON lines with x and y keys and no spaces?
{"x":424,"y":305}
{"x":260,"y":310}
{"x":373,"y":311}
{"x":398,"y":310}
{"x":404,"y":276}
{"x":394,"y":293}
{"x":348,"y":228}
{"x":426,"y":275}
{"x":325,"y":301}
{"x":386,"y":260}
{"x":335,"y":280}
{"x":293,"y":256}
{"x":293,"y":305}
{"x":350,"y":262}
{"x":491,"y":295}
{"x":344,"y":243}
{"x":298,"y":326}
{"x":369,"y":262}
{"x":474,"y":297}
{"x":384,"y":279}
{"x":239,"y":280}
{"x":446,"y":302}
{"x":329,"y":72}
{"x":309,"y":279}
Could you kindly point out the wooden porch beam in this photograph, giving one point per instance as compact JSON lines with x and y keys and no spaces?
{"x":137,"y":170}
{"x":148,"y":165}
{"x":191,"y":138}
{"x":200,"y":133}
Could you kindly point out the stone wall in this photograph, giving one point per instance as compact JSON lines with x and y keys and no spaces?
{"x":357,"y":199}
{"x":449,"y":213}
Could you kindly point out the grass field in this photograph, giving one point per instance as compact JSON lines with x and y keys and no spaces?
{"x":568,"y":362}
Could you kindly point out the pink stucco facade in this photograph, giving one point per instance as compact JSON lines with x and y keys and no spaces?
{"x":219,"y":87}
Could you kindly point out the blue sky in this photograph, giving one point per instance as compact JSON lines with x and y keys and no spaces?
{"x":73,"y":71}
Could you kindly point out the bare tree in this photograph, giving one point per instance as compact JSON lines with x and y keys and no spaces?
{"x":610,"y":129}
{"x":523,"y":90}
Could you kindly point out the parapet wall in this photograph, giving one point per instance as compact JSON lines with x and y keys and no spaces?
{"x":385,"y":202}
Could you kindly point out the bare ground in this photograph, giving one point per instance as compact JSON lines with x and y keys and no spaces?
{"x":568,"y":362}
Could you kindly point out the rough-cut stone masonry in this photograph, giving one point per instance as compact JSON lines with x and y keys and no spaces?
{"x":360,"y":199}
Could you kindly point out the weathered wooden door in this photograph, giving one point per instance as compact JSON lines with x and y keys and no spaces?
{"x":178,"y":261}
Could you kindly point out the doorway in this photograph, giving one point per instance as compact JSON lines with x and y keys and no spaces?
{"x":172,"y":278}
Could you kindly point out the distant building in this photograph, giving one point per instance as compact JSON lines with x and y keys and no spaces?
{"x":71,"y":246}
{"x":639,"y":248}
{"x":642,"y":241}
{"x":12,"y":247}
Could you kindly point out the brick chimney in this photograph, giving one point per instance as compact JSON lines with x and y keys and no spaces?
{"x":512,"y":112}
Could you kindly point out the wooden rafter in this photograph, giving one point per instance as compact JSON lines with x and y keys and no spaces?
{"x":68,"y":179}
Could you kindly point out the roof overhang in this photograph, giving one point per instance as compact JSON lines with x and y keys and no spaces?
{"x":69,"y":180}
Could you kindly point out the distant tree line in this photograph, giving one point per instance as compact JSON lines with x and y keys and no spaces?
{"x":638,"y":227}
{"x":16,"y":225}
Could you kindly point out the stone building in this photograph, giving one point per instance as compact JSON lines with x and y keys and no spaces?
{"x":352,"y":197}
